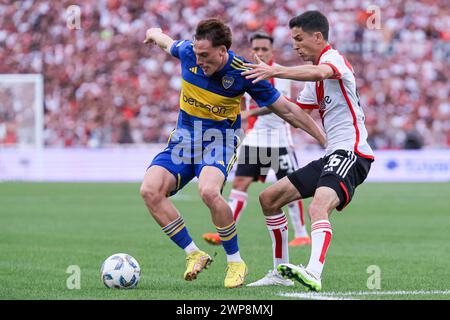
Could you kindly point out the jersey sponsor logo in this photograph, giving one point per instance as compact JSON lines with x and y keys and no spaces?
{"x":203,"y":103}
{"x":218,"y":110}
{"x":322,"y":106}
{"x":193,"y":70}
{"x":227,"y":82}
{"x":324,"y":102}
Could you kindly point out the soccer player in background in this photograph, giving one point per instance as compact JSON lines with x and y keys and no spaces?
{"x":330,"y":180}
{"x":269,"y":132}
{"x":212,"y":87}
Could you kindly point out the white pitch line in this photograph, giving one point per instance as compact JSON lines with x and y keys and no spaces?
{"x":341,"y":295}
{"x":313,"y":296}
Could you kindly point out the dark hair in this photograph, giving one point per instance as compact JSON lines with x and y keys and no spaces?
{"x":311,"y":21}
{"x":261,"y":35}
{"x":215,"y":31}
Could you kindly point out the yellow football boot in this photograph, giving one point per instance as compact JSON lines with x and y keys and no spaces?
{"x":236,"y":273}
{"x":195,"y":262}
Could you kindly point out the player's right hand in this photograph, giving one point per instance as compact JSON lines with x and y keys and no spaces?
{"x":150,"y":34}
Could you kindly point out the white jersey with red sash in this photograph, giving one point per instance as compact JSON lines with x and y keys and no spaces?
{"x":338,"y":103}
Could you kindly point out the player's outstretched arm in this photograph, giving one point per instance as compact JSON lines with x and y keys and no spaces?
{"x":298,"y":118}
{"x":262,"y":71}
{"x":255,"y":112}
{"x":156,"y":36}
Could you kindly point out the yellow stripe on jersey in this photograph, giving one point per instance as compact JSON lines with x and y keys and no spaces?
{"x":199,"y":102}
{"x":238,"y":64}
{"x":237,"y":59}
{"x":237,"y":67}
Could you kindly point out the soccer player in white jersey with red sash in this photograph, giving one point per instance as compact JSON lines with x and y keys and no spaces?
{"x":330,"y":180}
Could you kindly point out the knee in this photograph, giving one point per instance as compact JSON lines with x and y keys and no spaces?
{"x":209,"y":195}
{"x":151,"y":194}
{"x":316,"y":211}
{"x":267,"y":202}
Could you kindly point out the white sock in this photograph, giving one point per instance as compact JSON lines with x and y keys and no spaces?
{"x":295,"y":209}
{"x":237,"y":202}
{"x":321,"y":236}
{"x":235,"y":257}
{"x":191,"y":248}
{"x":278,"y":230}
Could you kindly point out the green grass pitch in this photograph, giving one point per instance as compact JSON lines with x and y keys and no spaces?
{"x":404,"y":229}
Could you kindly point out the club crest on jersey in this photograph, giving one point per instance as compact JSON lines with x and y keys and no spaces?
{"x":227,"y":82}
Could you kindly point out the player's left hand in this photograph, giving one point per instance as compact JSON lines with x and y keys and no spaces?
{"x":259,"y":71}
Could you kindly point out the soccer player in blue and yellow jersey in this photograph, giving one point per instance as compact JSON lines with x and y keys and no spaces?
{"x":205,"y":139}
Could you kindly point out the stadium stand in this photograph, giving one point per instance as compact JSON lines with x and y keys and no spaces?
{"x":103,"y":86}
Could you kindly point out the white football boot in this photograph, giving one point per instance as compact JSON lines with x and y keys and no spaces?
{"x":272,"y":278}
{"x":300,"y":274}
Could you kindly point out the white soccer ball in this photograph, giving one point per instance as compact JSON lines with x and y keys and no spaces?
{"x":120,"y":271}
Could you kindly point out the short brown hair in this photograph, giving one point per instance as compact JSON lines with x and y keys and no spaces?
{"x":215,"y":31}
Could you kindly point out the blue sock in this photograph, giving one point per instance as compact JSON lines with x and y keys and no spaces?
{"x":229,"y":239}
{"x":177,"y":232}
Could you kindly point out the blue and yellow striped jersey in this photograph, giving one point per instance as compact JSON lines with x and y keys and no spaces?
{"x":216,"y":99}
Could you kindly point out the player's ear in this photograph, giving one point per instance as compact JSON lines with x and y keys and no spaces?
{"x":222,"y":50}
{"x":318,"y":37}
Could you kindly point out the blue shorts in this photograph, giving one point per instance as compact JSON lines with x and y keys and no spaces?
{"x":187,"y":153}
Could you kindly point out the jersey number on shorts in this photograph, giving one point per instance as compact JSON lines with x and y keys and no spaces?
{"x":286,"y":163}
{"x":340,"y":164}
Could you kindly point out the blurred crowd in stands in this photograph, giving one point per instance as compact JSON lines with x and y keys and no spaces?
{"x":103,"y":86}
